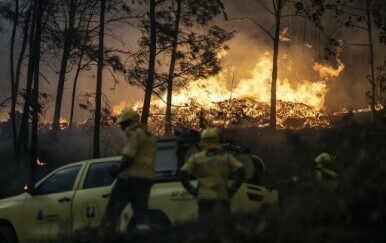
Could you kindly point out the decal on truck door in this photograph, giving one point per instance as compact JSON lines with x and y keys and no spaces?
{"x":180,"y":196}
{"x":46,"y":219}
{"x":90,"y":212}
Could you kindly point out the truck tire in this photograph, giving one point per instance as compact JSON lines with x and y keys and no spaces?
{"x":7,"y":235}
{"x":158,"y":219}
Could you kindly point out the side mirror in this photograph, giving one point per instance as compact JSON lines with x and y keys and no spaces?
{"x":30,"y":189}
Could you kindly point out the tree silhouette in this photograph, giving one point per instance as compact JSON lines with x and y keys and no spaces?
{"x":98,"y":96}
{"x":279,"y":10}
{"x":190,"y":54}
{"x":366,"y":16}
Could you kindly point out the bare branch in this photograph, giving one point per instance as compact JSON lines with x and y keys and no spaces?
{"x":284,"y":2}
{"x":265,"y":7}
{"x":4,"y":102}
{"x":45,"y":78}
{"x":355,"y":44}
{"x":274,"y":3}
{"x":160,"y":97}
{"x":259,"y":25}
{"x":353,"y":8}
{"x":360,"y":27}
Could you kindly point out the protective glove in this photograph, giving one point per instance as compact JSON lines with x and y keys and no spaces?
{"x":231,"y":192}
{"x":184,"y":177}
{"x":126,"y":162}
{"x":193,"y":191}
{"x":292,"y":181}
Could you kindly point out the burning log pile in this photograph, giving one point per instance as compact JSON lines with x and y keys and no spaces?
{"x":238,"y":113}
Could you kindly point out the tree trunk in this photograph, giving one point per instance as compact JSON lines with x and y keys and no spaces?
{"x":150,"y":78}
{"x":35,"y":96}
{"x":63,"y":67}
{"x":168,"y":117}
{"x":13,"y":85}
{"x":272,"y":122}
{"x":371,"y":50}
{"x":77,"y":74}
{"x":22,"y":50}
{"x":74,"y":88}
{"x":17,"y":75}
{"x":22,"y":140}
{"x":98,"y":95}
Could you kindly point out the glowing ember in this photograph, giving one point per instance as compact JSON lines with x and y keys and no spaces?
{"x":378,"y":107}
{"x":117,"y":109}
{"x":63,"y":123}
{"x":283,"y":36}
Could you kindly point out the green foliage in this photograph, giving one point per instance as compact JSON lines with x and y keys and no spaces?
{"x":352,"y":14}
{"x":6,"y":13}
{"x":116,"y":63}
{"x":196,"y":56}
{"x":43,"y":104}
{"x":313,"y":10}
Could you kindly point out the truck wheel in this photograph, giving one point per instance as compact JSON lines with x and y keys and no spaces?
{"x":7,"y":235}
{"x":158,"y":219}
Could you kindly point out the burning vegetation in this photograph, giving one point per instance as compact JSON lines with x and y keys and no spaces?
{"x":222,"y":101}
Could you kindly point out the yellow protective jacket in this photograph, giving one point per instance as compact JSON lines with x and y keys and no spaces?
{"x":325,"y":173}
{"x":142,"y":147}
{"x":212,"y":168}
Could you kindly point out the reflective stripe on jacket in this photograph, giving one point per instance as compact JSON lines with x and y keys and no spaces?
{"x":141,"y":146}
{"x":212,"y":168}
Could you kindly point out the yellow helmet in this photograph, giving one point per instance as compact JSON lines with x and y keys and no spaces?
{"x":128,"y":115}
{"x":323,"y":159}
{"x":209,"y":134}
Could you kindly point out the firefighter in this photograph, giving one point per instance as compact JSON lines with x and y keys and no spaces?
{"x":322,"y":174}
{"x":212,"y":168}
{"x":135,"y":173}
{"x":322,"y":170}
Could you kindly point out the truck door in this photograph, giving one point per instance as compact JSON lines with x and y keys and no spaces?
{"x":47,"y":212}
{"x":91,"y":199}
{"x":167,"y":194}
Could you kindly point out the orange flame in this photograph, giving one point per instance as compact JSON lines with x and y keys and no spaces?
{"x":283,"y":36}
{"x":215,"y":89}
{"x":224,"y":103}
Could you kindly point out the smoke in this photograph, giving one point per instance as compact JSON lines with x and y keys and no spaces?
{"x":306,"y":46}
{"x":54,"y":150}
{"x":115,"y":87}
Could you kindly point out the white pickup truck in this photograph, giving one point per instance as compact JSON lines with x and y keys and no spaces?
{"x":73,"y":198}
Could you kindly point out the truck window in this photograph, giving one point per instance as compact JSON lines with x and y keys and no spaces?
{"x":98,"y":175}
{"x":166,"y":163}
{"x":61,"y":181}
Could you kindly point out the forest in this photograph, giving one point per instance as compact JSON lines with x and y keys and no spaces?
{"x":288,"y":79}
